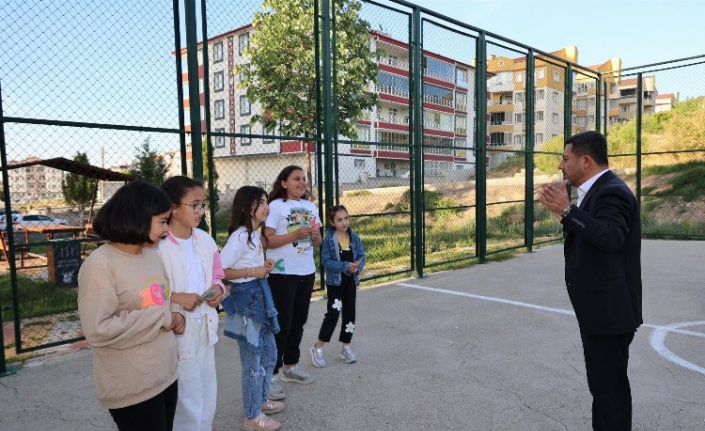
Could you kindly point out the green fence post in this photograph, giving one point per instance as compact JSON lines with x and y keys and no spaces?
{"x":568,"y":103}
{"x":639,"y":118}
{"x":194,"y":87}
{"x":327,"y":104}
{"x":481,"y":148}
{"x":417,"y":143}
{"x":529,"y":154}
{"x":4,"y":371}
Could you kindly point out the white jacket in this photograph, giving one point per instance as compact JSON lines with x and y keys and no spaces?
{"x":174,"y":258}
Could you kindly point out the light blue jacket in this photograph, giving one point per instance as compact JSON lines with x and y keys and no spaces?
{"x":330,"y":257}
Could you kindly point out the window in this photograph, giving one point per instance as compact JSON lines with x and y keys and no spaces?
{"x":539,"y":138}
{"x":518,"y":139}
{"x":555,"y":118}
{"x":557,"y":76}
{"x":540,"y":73}
{"x":461,"y":101}
{"x":461,"y":77}
{"x":244,"y":106}
{"x":519,"y":98}
{"x":540,"y":94}
{"x":241,"y":74}
{"x":519,"y":77}
{"x":245,"y":140}
{"x":359,"y":163}
{"x":219,"y":107}
{"x":219,"y":81}
{"x":218,"y":52}
{"x":219,"y":141}
{"x":519,"y":118}
{"x":461,"y":124}
{"x":538,"y":116}
{"x":555,"y":96}
{"x":269,"y":135}
{"x":243,"y":41}
{"x":438,"y":69}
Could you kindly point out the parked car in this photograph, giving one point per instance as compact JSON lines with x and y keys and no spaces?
{"x":36,"y":219}
{"x":3,"y":222}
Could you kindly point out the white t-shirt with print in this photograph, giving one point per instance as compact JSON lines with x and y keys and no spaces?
{"x":238,"y":253}
{"x":287,"y":216}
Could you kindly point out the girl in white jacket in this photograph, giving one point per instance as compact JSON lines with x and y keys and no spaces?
{"x":192,"y":262}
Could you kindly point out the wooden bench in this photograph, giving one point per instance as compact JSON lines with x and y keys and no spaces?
{"x":21,"y":249}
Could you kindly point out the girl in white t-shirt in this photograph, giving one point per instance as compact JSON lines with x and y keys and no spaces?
{"x":292,"y":233}
{"x":251,"y":318}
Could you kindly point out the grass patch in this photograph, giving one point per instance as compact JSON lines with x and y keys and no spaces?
{"x":37,"y":297}
{"x":353,"y":193}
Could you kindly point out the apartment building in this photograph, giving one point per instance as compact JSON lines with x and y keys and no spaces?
{"x":447,"y":118}
{"x":506,"y":106}
{"x":34,"y":182}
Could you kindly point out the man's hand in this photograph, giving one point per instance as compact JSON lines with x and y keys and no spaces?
{"x":555,"y":198}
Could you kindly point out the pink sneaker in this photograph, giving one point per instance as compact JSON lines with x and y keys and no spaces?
{"x":270,"y":407}
{"x":261,"y":423}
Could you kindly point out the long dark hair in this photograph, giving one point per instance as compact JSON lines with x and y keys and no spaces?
{"x":279,"y":192}
{"x":178,"y":186}
{"x":245,"y":202}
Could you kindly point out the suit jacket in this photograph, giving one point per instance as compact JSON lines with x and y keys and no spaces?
{"x":603,"y":258}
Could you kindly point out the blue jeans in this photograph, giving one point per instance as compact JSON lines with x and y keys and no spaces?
{"x":257,"y":368}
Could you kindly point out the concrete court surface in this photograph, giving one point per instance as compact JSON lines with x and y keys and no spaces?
{"x":491,"y":347}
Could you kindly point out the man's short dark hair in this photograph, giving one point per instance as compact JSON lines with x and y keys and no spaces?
{"x":590,"y":143}
{"x":127,"y":216}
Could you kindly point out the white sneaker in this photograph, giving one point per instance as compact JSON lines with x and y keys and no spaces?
{"x":347,"y":355}
{"x":319,"y":361}
{"x":295,"y":374}
{"x":276,"y":391}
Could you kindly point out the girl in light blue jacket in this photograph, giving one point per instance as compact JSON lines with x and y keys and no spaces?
{"x":343,"y":258}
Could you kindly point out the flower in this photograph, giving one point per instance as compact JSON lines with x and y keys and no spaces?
{"x":338,"y":304}
{"x":350,"y":327}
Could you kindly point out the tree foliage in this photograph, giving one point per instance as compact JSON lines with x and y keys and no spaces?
{"x":282,"y":76}
{"x":78,"y":189}
{"x":149,"y":166}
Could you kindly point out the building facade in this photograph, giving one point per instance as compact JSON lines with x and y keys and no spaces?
{"x":382,"y":145}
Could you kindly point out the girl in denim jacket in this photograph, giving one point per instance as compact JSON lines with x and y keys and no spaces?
{"x":251,"y":318}
{"x":343,"y":258}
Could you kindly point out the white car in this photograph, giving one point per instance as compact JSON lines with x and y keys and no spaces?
{"x":35,"y":219}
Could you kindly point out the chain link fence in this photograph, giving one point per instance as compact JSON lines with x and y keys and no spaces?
{"x":438,"y":173}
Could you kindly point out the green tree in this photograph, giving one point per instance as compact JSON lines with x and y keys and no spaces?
{"x":149,"y":166}
{"x":282,"y":75}
{"x":206,"y":174}
{"x":78,"y":189}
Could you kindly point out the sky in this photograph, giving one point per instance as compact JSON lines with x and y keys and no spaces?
{"x":639,"y":31}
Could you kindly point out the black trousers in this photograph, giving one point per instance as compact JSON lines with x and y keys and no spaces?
{"x":155,"y":414}
{"x":606,"y":362}
{"x":345,"y":297}
{"x":292,"y":297}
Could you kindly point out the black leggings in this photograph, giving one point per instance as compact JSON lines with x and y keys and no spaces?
{"x":345,"y":295}
{"x":292,"y":296}
{"x":155,"y":414}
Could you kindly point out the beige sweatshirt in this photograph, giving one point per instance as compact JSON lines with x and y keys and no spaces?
{"x":123,"y":302}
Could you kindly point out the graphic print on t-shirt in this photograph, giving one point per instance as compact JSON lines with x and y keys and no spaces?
{"x":300,"y":217}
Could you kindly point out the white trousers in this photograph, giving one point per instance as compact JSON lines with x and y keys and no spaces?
{"x":198,"y":389}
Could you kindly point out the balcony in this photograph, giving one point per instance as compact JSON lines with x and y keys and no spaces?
{"x":428,"y":124}
{"x":393,"y":62}
{"x":394,"y":91}
{"x":394,"y":119}
{"x":437,"y":100}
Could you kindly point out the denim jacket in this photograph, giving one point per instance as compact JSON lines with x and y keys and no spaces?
{"x":247,"y":308}
{"x":330,"y":257}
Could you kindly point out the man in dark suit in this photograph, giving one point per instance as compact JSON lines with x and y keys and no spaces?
{"x":602,"y":271}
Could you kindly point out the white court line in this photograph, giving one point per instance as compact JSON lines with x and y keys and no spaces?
{"x":657,"y":339}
